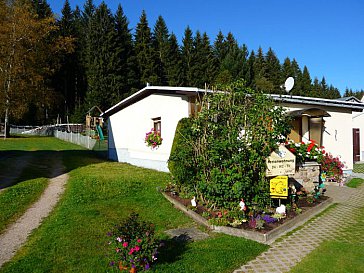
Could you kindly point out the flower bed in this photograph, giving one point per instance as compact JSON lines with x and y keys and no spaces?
{"x":268,"y":233}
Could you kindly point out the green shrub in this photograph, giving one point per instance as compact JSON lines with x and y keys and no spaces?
{"x":182,"y":163}
{"x":220,"y":154}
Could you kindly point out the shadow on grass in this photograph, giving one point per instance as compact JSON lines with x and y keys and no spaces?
{"x":172,"y":249}
{"x":18,"y":166}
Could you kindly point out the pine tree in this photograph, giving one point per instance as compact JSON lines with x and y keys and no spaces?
{"x":64,"y":80}
{"x":305,"y":84}
{"x":297,"y":75}
{"x":273,"y":71}
{"x":187,"y":57}
{"x":219,"y":48}
{"x":42,"y":8}
{"x":324,"y":92}
{"x":249,"y":75}
{"x":198,"y":62}
{"x":144,"y":52}
{"x":160,"y":39}
{"x":174,"y":63}
{"x":316,"y":89}
{"x":127,"y":70}
{"x":287,"y":70}
{"x":261,"y":81}
{"x":103,"y":78}
{"x":333,"y":92}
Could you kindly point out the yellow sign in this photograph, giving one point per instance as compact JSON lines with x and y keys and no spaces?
{"x":279,"y":187}
{"x":281,"y":162}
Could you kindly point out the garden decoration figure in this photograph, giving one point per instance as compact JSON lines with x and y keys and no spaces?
{"x":281,"y":210}
{"x":293,"y":193}
{"x":193,"y":202}
{"x":242,"y":205}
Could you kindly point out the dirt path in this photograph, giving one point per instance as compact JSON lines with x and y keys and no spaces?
{"x":16,"y":235}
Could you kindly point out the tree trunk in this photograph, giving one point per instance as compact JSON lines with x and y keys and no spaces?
{"x":6,"y":123}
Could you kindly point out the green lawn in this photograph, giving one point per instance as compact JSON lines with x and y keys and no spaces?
{"x":355,"y":182}
{"x":98,"y":195}
{"x":337,"y":256}
{"x":33,"y":178}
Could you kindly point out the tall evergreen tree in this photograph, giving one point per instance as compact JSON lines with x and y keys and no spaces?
{"x":42,"y":8}
{"x":273,"y":71}
{"x":174,"y":62}
{"x":145,"y":53}
{"x":316,"y":88}
{"x":187,"y":56}
{"x":197,"y":66}
{"x":103,"y":78}
{"x":160,"y":39}
{"x":261,"y":81}
{"x":127,"y":71}
{"x":64,"y":80}
{"x":249,"y":76}
{"x":306,"y":83}
{"x":287,"y":70}
{"x":219,"y":48}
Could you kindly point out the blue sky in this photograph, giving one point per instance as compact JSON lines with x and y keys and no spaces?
{"x":326,"y":36}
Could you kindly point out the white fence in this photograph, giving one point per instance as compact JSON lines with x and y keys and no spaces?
{"x":76,"y":138}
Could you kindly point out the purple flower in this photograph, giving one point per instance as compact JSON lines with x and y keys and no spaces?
{"x":112,"y":263}
{"x":268,"y":219}
{"x":147,"y":266}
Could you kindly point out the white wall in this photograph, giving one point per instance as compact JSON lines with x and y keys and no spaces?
{"x":337,"y":137}
{"x":127,"y":129}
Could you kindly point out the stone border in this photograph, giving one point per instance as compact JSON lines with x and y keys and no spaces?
{"x":266,"y":238}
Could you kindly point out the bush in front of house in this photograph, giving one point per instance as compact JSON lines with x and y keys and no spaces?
{"x":230,"y":138}
{"x":182,"y":163}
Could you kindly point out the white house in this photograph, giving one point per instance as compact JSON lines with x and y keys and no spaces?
{"x":328,"y":122}
{"x":358,"y":130}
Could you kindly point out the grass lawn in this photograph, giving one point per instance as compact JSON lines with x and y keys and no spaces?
{"x":355,"y":182}
{"x":32,"y":179}
{"x":98,"y":195}
{"x":336,"y":256}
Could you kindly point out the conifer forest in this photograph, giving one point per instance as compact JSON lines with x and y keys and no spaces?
{"x":90,"y":56}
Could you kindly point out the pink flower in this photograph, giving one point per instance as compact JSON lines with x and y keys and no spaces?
{"x":139,"y":240}
{"x":125,"y":244}
{"x":118,"y":239}
{"x":136,"y":248}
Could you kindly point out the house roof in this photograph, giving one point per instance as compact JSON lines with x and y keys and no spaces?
{"x":351,"y":98}
{"x":191,"y":91}
{"x":148,"y":90}
{"x":319,"y":102}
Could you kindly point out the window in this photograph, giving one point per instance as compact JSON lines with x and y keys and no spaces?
{"x":157,"y":125}
{"x":316,"y":129}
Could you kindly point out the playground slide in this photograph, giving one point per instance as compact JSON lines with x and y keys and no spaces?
{"x":99,"y":131}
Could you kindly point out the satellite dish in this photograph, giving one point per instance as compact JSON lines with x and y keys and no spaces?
{"x":288,"y":84}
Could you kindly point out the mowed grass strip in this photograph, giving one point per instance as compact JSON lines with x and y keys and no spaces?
{"x":98,"y":196}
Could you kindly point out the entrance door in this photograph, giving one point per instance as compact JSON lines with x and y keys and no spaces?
{"x":356,"y":144}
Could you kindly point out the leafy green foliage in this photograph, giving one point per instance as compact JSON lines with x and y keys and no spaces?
{"x":182,"y":163}
{"x":231,"y":137}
